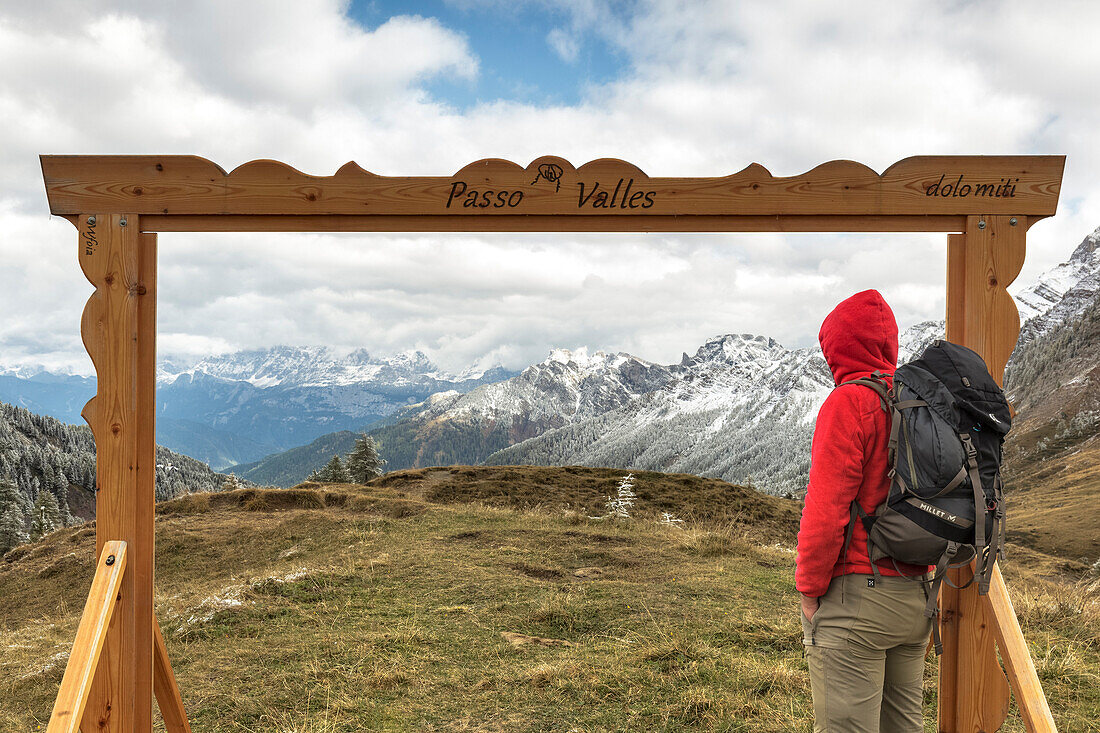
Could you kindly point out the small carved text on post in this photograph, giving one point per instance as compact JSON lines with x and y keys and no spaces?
{"x":88,"y":237}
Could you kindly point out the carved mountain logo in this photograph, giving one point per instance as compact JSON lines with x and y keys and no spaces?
{"x":551,"y":173}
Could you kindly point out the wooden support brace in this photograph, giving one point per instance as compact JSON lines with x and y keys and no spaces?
{"x":165,"y":687}
{"x":1017,"y":659}
{"x":90,"y":635}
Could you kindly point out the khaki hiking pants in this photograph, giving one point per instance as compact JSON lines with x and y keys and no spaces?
{"x":865,"y":647}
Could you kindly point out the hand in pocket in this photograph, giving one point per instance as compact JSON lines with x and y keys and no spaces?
{"x":809,"y":606}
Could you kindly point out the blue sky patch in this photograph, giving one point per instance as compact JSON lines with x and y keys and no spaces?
{"x":518,"y":63}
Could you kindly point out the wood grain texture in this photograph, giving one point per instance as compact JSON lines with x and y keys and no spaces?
{"x":994,"y":256}
{"x":1017,"y":658}
{"x":118,"y":329}
{"x":188,"y":185}
{"x":166,"y":688}
{"x":946,"y":698}
{"x":186,"y":193}
{"x":981,"y":689}
{"x":72,"y":697}
{"x":548,"y":223}
{"x":955,"y":332}
{"x":145,"y":479}
{"x":955,"y":327}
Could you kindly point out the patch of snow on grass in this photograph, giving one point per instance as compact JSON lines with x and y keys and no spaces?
{"x":57,"y":660}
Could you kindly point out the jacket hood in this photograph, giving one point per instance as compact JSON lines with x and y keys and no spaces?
{"x":860,"y":336}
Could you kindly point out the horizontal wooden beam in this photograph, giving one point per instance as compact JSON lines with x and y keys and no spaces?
{"x":544,"y":223}
{"x":84,"y":657}
{"x":605,"y":189}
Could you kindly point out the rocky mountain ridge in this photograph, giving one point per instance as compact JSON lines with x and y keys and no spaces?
{"x":723,"y":412}
{"x":321,"y":366}
{"x":234,"y":408}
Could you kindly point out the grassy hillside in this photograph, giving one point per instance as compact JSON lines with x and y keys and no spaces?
{"x":293,"y":466}
{"x":1052,"y":455}
{"x":440,"y":600}
{"x":1053,"y":493}
{"x":424,"y":440}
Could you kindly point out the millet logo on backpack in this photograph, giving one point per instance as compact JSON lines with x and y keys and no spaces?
{"x":936,"y":511}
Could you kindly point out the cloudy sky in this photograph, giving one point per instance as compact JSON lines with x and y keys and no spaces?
{"x":406,"y":88}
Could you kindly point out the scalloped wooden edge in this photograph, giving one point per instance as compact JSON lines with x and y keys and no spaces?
{"x":48,"y":161}
{"x":186,"y":185}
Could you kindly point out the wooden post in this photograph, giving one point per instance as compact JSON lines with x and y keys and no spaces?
{"x":981,"y":315}
{"x":119,"y":331}
{"x":973,"y":691}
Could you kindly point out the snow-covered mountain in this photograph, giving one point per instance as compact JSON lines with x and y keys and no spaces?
{"x":239,"y":407}
{"x":567,"y":386}
{"x":729,"y":410}
{"x":914,"y":340}
{"x":742,"y":408}
{"x":1056,"y":297}
{"x":319,"y":366}
{"x":1062,"y":292}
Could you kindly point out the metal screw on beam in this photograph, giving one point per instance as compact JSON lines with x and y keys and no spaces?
{"x":122,"y":223}
{"x":110,"y":560}
{"x":981,"y":224}
{"x":1012,"y":222}
{"x":91,"y":221}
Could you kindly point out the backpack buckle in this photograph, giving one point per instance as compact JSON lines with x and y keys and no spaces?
{"x":971,"y":451}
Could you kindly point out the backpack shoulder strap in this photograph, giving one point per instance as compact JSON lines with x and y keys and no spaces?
{"x":877,"y":382}
{"x":856,"y":513}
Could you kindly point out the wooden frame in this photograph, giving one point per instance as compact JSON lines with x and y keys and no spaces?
{"x":118,"y":203}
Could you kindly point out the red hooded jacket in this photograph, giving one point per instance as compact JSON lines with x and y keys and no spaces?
{"x":848,"y":458}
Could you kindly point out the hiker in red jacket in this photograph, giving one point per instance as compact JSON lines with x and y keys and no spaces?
{"x":865,"y":637}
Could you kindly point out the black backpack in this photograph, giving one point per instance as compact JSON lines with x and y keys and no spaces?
{"x":945,"y":506}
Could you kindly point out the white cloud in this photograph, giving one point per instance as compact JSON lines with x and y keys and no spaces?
{"x":708,"y":88}
{"x":565,"y":45}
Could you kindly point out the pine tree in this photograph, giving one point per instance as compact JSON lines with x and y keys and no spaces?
{"x":47,"y":516}
{"x":364,"y":463}
{"x":334,"y":472}
{"x":12,"y":529}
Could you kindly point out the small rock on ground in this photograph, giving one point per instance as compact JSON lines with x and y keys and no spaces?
{"x":590,"y":572}
{"x":522,"y":639}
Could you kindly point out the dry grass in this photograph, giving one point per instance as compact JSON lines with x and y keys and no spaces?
{"x":381,"y":608}
{"x":1053,"y":505}
{"x":577,"y":492}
